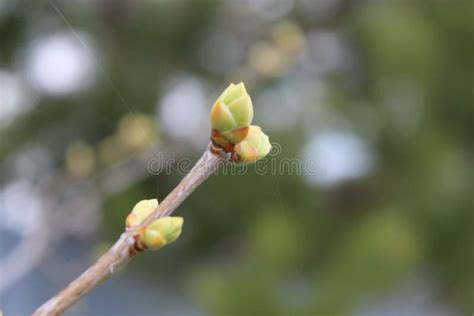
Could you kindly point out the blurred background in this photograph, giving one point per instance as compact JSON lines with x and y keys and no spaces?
{"x":375,"y":96}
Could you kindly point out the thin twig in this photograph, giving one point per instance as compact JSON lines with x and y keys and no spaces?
{"x":123,"y":249}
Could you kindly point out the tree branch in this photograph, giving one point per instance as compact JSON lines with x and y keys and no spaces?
{"x":124,"y":248}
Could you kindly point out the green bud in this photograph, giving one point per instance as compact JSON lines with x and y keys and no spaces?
{"x":140,"y":211}
{"x":161,"y":232}
{"x":254,"y":147}
{"x":231,"y":116}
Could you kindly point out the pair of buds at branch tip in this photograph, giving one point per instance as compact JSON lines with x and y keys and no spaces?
{"x":231,"y":116}
{"x":158,"y":233}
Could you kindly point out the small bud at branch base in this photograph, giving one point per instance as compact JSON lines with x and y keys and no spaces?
{"x":140,"y":211}
{"x":161,"y":232}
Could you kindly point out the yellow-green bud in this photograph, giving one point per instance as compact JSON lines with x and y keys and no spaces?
{"x":254,"y":147}
{"x":231,"y":116}
{"x":140,"y":211}
{"x":161,"y":232}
